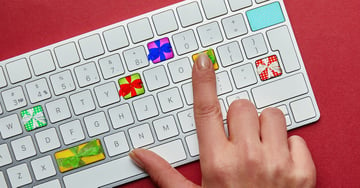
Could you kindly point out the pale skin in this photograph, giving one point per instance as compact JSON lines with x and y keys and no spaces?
{"x":257,"y":153}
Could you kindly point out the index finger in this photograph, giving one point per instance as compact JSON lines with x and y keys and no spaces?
{"x":207,"y":111}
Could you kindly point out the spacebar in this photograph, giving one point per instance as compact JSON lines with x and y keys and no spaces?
{"x":120,"y":169}
{"x":279,"y":90}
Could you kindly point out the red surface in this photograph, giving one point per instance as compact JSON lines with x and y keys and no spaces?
{"x":327,"y":33}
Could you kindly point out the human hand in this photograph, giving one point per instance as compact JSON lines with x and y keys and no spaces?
{"x":257,"y":152}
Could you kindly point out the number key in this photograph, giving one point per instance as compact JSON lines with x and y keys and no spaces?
{"x":185,"y":42}
{"x":111,"y":66}
{"x":14,"y":98}
{"x":62,"y":82}
{"x":38,"y":90}
{"x":86,"y":74}
{"x":136,"y":58}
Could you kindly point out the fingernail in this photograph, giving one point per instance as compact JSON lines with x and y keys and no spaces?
{"x":203,"y":62}
{"x":135,"y":158}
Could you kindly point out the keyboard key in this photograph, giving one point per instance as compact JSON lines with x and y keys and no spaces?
{"x":82,"y":102}
{"x":38,"y":90}
{"x":268,"y":68}
{"x":10,"y":126}
{"x":214,"y":8}
{"x":145,"y":108}
{"x":140,"y":30}
{"x":2,"y":180}
{"x":254,"y":45}
{"x":43,"y":167}
{"x":170,"y":100}
{"x":62,"y":82}
{"x":42,"y":62}
{"x":230,"y":54}
{"x":272,"y":93}
{"x":192,"y":144}
{"x":287,"y":120}
{"x":67,"y":54}
{"x":116,"y":38}
{"x":223,"y":109}
{"x":107,"y":94}
{"x":165,"y":22}
{"x":260,"y":1}
{"x":87,"y":74}
{"x":136,"y":58}
{"x":210,"y":34}
{"x":91,"y":46}
{"x":189,"y":14}
{"x":79,"y":156}
{"x":280,"y":40}
{"x":188,"y":93}
{"x":58,"y":110}
{"x":242,"y":95}
{"x":131,"y":86}
{"x":223,"y":84}
{"x":18,"y":71}
{"x":19,"y":175}
{"x":186,"y":120}
{"x":185,"y":42}
{"x":96,"y":124}
{"x":3,"y":82}
{"x":72,"y":132}
{"x":237,"y":5}
{"x":211,"y":54}
{"x":234,"y":26}
{"x":121,"y":116}
{"x":180,"y":70}
{"x":116,"y":144}
{"x":5,"y":157}
{"x":165,"y":128}
{"x":23,"y":148}
{"x":160,"y":50}
{"x":303,"y":109}
{"x":171,"y":152}
{"x":141,"y":136}
{"x":33,"y":118}
{"x":14,"y":98}
{"x":111,"y":66}
{"x":265,"y":16}
{"x":244,"y":76}
{"x":156,"y":78}
{"x":47,"y":140}
{"x":53,"y":184}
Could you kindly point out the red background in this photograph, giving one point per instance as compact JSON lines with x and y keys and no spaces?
{"x":327,"y":32}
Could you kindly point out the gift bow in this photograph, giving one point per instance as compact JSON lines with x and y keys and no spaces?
{"x":273,"y":67}
{"x":159,"y":51}
{"x":36,"y":118}
{"x":130,"y":87}
{"x":90,"y":149}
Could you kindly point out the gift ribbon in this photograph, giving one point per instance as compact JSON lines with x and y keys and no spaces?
{"x":159,"y":51}
{"x":274,"y":66}
{"x":125,"y":89}
{"x":36,"y":118}
{"x":90,"y":149}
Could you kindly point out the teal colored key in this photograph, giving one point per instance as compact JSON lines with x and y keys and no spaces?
{"x":265,"y":16}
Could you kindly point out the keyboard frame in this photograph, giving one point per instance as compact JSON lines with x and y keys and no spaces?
{"x":147,"y":92}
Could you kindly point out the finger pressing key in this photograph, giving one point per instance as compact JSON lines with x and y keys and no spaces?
{"x":207,"y":112}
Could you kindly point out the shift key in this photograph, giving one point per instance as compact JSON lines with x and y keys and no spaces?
{"x":279,"y":90}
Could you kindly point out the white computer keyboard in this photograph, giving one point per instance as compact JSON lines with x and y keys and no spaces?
{"x":70,"y":112}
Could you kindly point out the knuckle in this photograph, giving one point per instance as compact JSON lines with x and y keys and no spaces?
{"x":305,"y":178}
{"x":207,"y":110}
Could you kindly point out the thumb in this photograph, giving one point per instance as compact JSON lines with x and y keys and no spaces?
{"x":160,"y":171}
